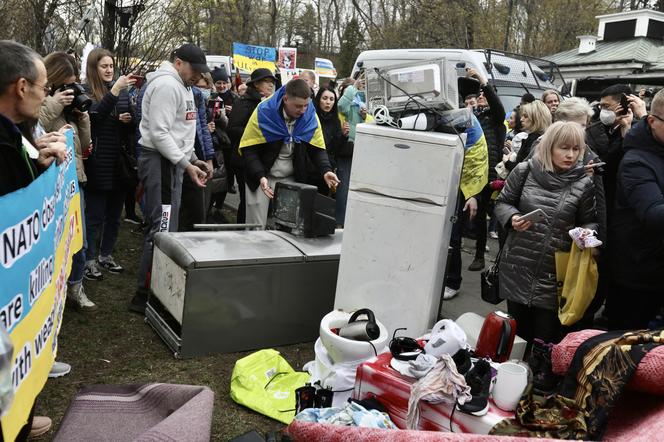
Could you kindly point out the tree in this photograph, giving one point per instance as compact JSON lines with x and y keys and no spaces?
{"x":351,"y":42}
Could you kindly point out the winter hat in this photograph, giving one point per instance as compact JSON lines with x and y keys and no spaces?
{"x":219,"y":74}
{"x":446,"y":338}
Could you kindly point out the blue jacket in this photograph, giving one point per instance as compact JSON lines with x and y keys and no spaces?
{"x":203,"y":145}
{"x":636,"y":234}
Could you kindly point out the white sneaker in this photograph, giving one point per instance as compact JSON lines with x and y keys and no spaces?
{"x":493,"y":235}
{"x":76,"y":296}
{"x":450,"y":293}
{"x":59,"y":369}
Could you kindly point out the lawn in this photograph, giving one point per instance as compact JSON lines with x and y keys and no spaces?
{"x":113,"y":346}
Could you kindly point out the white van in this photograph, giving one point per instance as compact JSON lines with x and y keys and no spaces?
{"x":513,"y":75}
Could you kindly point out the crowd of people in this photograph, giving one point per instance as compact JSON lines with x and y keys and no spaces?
{"x":188,"y":136}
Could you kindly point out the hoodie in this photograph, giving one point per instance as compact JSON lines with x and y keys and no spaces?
{"x":636,"y":234}
{"x":169,"y":114}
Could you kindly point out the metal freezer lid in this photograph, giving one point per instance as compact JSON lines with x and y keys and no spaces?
{"x":323,"y":248}
{"x":221,"y":249}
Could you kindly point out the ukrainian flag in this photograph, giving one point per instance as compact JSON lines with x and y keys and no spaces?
{"x":267,"y":125}
{"x":475,"y":172}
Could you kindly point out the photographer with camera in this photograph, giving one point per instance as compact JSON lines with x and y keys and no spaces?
{"x":108,"y":166}
{"x":63,"y":107}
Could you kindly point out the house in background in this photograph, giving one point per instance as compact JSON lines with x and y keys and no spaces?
{"x":628,"y":48}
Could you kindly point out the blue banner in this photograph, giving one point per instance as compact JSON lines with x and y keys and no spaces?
{"x":40,"y":230}
{"x":247,"y":58}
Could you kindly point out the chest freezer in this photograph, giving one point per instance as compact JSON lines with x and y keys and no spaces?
{"x":229,"y":291}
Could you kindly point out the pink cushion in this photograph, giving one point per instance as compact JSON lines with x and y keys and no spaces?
{"x":647,"y":379}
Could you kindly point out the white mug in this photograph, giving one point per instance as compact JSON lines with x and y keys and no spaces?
{"x":511,"y":382}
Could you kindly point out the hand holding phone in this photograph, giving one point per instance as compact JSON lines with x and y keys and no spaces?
{"x":535,"y":216}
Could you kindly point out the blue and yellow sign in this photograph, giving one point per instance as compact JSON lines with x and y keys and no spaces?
{"x":247,"y":58}
{"x":40,"y":230}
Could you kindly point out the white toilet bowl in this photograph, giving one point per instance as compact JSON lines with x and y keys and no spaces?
{"x":347,"y":350}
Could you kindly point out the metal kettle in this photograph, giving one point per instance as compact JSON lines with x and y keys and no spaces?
{"x":361,"y":329}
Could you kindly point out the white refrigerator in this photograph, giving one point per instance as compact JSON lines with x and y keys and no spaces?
{"x":402,"y":198}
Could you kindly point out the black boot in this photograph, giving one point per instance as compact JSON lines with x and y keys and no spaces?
{"x":544,"y":381}
{"x":479,"y":381}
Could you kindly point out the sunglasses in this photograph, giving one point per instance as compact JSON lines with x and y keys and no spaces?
{"x":404,"y":348}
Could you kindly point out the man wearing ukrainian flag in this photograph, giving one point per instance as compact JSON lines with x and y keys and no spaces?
{"x":282,"y":138}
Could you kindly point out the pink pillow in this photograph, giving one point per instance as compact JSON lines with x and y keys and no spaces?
{"x":647,"y":379}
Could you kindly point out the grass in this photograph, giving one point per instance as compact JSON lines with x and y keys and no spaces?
{"x":113,"y":346}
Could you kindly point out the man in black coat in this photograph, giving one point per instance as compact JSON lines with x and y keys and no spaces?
{"x":636,"y":230}
{"x":491,"y":115}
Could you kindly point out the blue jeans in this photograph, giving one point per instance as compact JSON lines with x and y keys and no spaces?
{"x":103,"y":210}
{"x":343,"y":172}
{"x":78,"y":260}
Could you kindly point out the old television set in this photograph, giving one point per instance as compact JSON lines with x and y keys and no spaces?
{"x":299,"y":209}
{"x":403,"y":87}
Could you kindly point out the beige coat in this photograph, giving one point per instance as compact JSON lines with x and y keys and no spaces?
{"x":52,"y":118}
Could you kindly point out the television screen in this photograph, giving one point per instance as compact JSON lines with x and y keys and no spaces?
{"x":299,"y":209}
{"x":286,"y":205}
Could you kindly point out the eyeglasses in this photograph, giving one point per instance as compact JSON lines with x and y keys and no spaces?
{"x":658,"y":117}
{"x":47,"y":89}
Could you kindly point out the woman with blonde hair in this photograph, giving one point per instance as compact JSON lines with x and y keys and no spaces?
{"x":554,"y":182}
{"x":111,"y":118}
{"x":535,"y":119}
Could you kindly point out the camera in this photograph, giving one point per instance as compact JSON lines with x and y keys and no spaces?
{"x":81,"y":101}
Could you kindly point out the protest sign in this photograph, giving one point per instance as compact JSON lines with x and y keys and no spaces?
{"x":325,"y":68}
{"x":247,"y":58}
{"x":287,"y":58}
{"x":40,"y":231}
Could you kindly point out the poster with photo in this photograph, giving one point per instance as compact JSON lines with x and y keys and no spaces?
{"x":287,"y":58}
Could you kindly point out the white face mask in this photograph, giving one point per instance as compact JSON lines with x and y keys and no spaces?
{"x":607,"y":117}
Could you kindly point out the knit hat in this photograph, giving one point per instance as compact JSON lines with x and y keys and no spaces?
{"x":220,"y":74}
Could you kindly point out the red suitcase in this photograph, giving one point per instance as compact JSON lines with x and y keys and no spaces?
{"x":377,"y":378}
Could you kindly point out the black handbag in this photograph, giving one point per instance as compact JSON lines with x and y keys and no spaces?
{"x":490,"y":283}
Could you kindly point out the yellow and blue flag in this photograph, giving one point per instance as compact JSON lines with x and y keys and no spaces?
{"x":267,"y":125}
{"x":475,"y":172}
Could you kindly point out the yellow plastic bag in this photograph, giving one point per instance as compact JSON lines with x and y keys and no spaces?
{"x":576,"y":277}
{"x":266,"y":383}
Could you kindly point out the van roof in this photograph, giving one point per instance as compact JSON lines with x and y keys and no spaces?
{"x":505,"y":68}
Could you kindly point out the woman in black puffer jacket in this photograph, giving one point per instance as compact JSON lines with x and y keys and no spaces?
{"x":551,"y":181}
{"x":106,"y":168}
{"x":334,"y":133}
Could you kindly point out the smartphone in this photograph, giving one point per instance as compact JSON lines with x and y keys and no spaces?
{"x":507,"y":150}
{"x":600,"y":164}
{"x":535,"y":216}
{"x":624,"y":103}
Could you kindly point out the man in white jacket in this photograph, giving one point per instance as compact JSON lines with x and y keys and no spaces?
{"x":168,"y":131}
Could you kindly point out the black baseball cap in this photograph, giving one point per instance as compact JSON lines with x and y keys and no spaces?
{"x":193,"y":55}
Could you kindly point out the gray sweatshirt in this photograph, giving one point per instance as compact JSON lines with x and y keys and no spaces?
{"x":169,"y":114}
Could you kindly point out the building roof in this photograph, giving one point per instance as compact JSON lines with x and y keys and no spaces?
{"x":642,"y":50}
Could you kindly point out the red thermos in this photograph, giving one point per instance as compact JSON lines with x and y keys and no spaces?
{"x":496,"y":337}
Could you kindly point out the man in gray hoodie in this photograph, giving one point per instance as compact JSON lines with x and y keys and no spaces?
{"x":167,"y":134}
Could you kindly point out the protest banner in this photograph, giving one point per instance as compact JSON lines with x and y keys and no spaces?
{"x":247,"y":58}
{"x":287,"y":75}
{"x":324,"y":68}
{"x":40,"y":231}
{"x":287,"y":58}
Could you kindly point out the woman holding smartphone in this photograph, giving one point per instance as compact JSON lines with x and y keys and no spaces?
{"x":554,"y":182}
{"x":111,"y":118}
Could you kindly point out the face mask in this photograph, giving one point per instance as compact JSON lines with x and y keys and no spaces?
{"x":206,"y":94}
{"x":607,"y":117}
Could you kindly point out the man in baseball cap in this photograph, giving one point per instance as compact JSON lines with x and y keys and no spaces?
{"x":189,"y":60}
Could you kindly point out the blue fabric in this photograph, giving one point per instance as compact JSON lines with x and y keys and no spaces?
{"x":273,"y":126}
{"x":203,"y":144}
{"x":474,"y":133}
{"x":351,"y":414}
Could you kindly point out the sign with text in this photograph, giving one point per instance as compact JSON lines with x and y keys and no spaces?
{"x":324,"y":67}
{"x":40,"y":231}
{"x":248,"y":58}
{"x":287,"y":58}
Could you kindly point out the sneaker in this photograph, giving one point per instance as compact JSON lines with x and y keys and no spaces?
{"x":108,"y":263}
{"x":92,"y":271}
{"x":450,"y":293}
{"x":493,"y":235}
{"x":544,"y":381}
{"x":59,"y":369}
{"x":40,"y":426}
{"x":138,"y":303}
{"x":77,"y":298}
{"x":476,"y":265}
{"x":479,"y":381}
{"x":133,"y":219}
